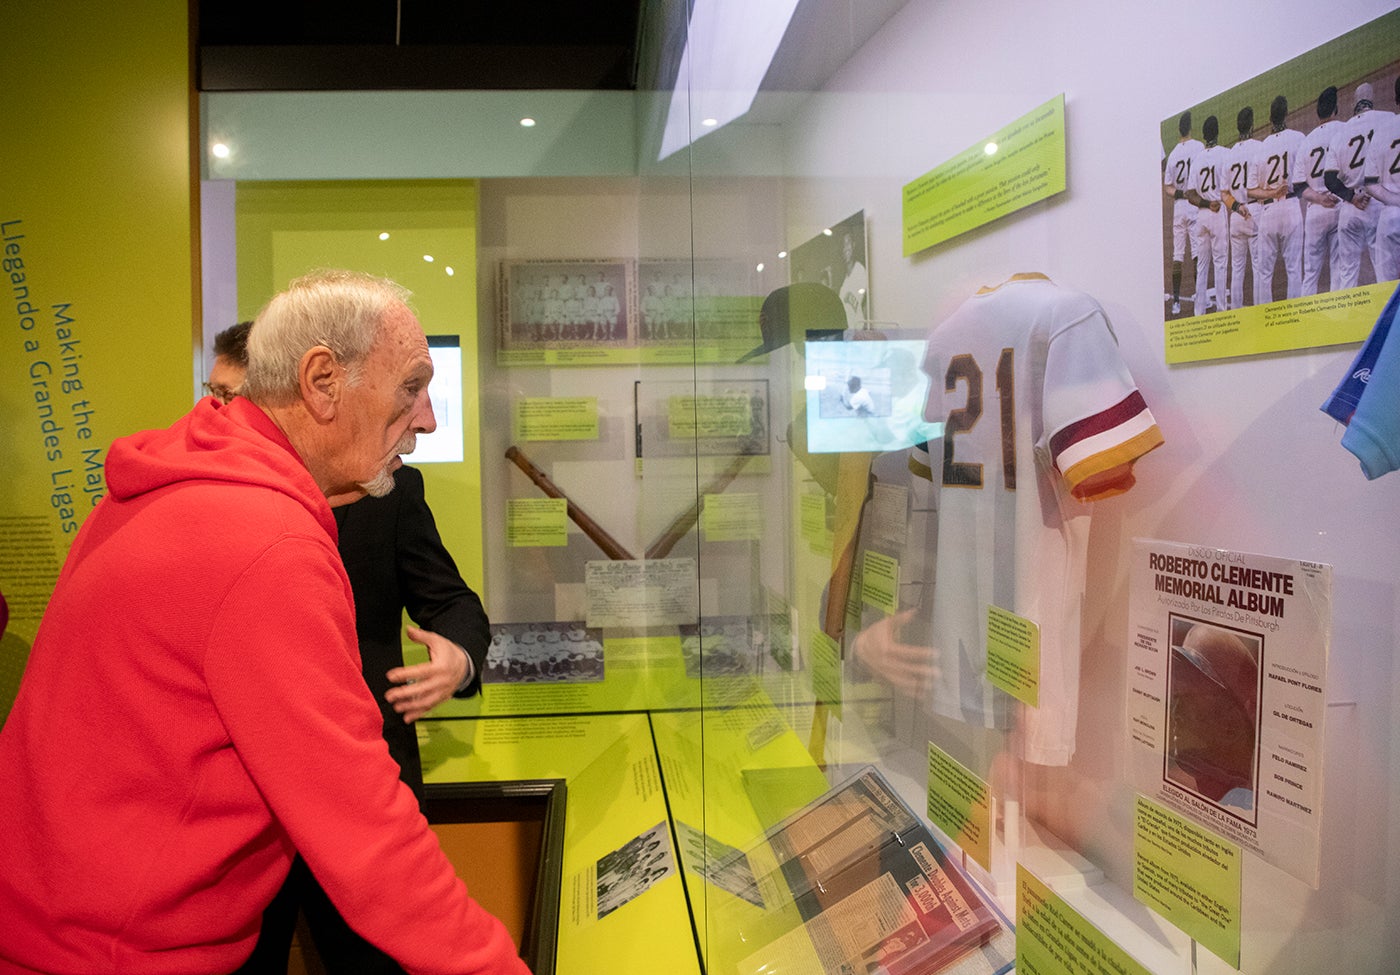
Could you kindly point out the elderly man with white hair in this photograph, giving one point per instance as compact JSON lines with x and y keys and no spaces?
{"x":193,"y":711}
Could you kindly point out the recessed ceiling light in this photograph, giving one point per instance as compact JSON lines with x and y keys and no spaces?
{"x":709,"y":123}
{"x":760,"y":266}
{"x":527,"y":123}
{"x":782,"y":255}
{"x":384,"y":235}
{"x":990,"y":148}
{"x":428,"y":258}
{"x":220,"y":150}
{"x":826,"y":231}
{"x":449,"y":270}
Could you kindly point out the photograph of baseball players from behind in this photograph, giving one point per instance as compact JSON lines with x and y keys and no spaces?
{"x":1286,"y":186}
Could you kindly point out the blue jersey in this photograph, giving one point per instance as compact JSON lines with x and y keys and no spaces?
{"x":1368,"y":399}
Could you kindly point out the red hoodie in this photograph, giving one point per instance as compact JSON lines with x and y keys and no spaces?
{"x":192,"y":713}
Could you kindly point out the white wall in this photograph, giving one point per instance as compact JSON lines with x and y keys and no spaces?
{"x":1249,"y":464}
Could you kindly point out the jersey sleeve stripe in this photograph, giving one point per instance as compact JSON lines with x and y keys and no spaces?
{"x":1101,"y":422}
{"x":1121,"y":455}
{"x":1084,"y":450}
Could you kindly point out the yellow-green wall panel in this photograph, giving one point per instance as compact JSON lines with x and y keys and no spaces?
{"x":96,"y":210}
{"x":288,"y":228}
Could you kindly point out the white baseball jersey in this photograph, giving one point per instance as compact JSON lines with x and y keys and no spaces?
{"x":1383,"y":170}
{"x":1239,"y":160}
{"x":1278,"y":159}
{"x":1280,"y":220}
{"x":1178,"y":172}
{"x":1210,"y":171}
{"x":1040,"y":416}
{"x":1356,"y":228}
{"x":1383,"y":156}
{"x":1319,"y":222}
{"x":1244,"y":222}
{"x":853,"y":292}
{"x":1211,"y":243}
{"x":1177,"y":177}
{"x":1347,"y":155}
{"x":1312,"y":155}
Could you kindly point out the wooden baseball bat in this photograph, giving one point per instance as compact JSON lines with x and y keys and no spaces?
{"x":679,"y":528}
{"x":591,"y":528}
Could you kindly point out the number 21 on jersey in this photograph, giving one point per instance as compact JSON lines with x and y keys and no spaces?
{"x":965,"y":369}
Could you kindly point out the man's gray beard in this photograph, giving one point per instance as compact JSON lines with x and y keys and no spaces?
{"x":383,"y":482}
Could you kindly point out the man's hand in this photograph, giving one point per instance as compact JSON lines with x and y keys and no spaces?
{"x":908,"y":667}
{"x":425,"y":686}
{"x":1322,"y":199}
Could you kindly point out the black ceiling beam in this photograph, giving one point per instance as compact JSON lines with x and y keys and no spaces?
{"x":356,"y":67}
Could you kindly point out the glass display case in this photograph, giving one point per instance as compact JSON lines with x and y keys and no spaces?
{"x":847,"y":427}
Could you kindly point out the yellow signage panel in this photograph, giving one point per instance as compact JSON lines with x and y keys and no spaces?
{"x":1017,"y":165}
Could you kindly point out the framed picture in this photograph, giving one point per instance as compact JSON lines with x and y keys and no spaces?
{"x":703,"y":311}
{"x":614,"y":311}
{"x":558,"y":306}
{"x":837,"y":258}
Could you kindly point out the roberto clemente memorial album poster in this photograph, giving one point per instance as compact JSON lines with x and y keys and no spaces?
{"x":1227,"y":694}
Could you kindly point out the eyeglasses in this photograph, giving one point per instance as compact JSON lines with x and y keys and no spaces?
{"x":220,"y":392}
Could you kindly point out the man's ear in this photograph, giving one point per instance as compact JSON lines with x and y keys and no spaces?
{"x":322,"y":381}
